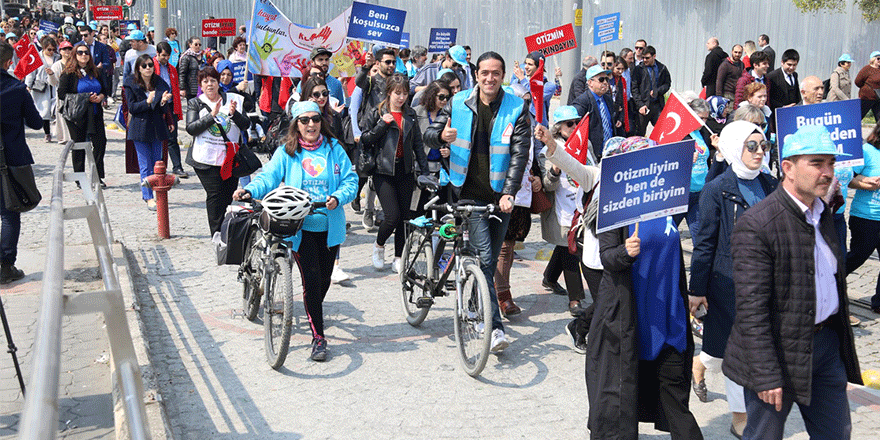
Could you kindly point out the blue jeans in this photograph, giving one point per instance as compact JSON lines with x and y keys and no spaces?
{"x":487,"y":236}
{"x":148,"y":154}
{"x":10,"y":229}
{"x":827,"y":415}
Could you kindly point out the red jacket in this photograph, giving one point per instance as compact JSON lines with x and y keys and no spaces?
{"x":175,"y":86}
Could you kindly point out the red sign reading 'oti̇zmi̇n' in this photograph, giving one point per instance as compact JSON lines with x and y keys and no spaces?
{"x":553,"y":41}
{"x":219,"y":27}
{"x":107,"y":12}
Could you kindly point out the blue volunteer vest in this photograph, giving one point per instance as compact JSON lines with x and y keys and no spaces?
{"x":499,"y":143}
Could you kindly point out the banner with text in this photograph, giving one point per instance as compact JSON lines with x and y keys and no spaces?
{"x":219,"y":27}
{"x":239,"y":71}
{"x":441,"y":39}
{"x":49,"y":26}
{"x":106,"y":12}
{"x":644,"y":184}
{"x":606,"y":28}
{"x":376,"y":24}
{"x":404,"y":39}
{"x":553,"y":41}
{"x":277,"y":47}
{"x":843,"y":119}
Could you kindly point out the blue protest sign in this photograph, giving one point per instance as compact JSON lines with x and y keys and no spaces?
{"x":644,"y":184}
{"x":404,"y":39}
{"x":843,"y":119}
{"x":376,"y":24}
{"x":48,"y":26}
{"x":440,"y":39}
{"x":606,"y":28}
{"x":238,"y":71}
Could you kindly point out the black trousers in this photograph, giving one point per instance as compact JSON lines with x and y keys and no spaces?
{"x":871,"y":106}
{"x":583,"y":319}
{"x":395,"y":194}
{"x":315,"y":261}
{"x":174,"y":149}
{"x":864,"y":239}
{"x":566,"y":264}
{"x":99,"y":146}
{"x":667,"y":382}
{"x":218,"y":195}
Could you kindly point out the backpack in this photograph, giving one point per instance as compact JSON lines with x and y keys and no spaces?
{"x":232,"y":240}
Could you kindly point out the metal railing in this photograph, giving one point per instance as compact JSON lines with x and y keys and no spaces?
{"x":40,"y":415}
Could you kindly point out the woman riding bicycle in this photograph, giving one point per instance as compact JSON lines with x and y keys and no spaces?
{"x":315,"y":162}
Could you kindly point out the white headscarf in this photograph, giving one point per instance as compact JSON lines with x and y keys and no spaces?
{"x":732,"y":138}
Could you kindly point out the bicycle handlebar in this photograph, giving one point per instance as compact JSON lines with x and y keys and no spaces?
{"x":462,"y":207}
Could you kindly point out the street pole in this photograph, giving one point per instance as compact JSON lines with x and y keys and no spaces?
{"x":87,"y":13}
{"x":160,"y":19}
{"x":570,"y":61}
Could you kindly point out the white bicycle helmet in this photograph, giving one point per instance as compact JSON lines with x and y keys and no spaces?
{"x":287,"y":203}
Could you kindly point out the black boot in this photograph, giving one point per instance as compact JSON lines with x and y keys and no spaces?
{"x":9,"y":273}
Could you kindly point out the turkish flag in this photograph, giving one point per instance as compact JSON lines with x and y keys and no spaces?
{"x":676,"y":121}
{"x":28,"y":63}
{"x":536,"y":87}
{"x":21,"y":46}
{"x":578,"y":143}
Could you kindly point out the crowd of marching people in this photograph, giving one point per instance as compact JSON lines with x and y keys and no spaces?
{"x":767,"y":284}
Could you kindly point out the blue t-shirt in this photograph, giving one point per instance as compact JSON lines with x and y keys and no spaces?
{"x":661,"y":315}
{"x":701,"y":166}
{"x":866,"y":204}
{"x":845,"y":176}
{"x":89,"y":84}
{"x":751,"y":190}
{"x":315,"y":175}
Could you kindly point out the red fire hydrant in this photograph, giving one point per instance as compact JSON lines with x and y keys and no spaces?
{"x":160,"y":183}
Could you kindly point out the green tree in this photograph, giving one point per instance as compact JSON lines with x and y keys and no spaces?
{"x":870,"y":8}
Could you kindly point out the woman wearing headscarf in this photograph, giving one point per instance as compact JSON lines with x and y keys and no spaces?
{"x":723,"y":200}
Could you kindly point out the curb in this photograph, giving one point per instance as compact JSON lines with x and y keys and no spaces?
{"x":157,"y":419}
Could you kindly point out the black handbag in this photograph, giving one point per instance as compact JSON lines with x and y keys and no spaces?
{"x":366,"y":161}
{"x":245,"y":161}
{"x":74,"y":106}
{"x":19,"y":189}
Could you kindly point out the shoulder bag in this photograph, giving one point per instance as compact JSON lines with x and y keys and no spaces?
{"x":20,"y":193}
{"x":74,"y":106}
{"x":245,"y":162}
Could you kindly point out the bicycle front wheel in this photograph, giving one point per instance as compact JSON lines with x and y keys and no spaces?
{"x":416,"y":268}
{"x":252,"y":294}
{"x":473,"y":320}
{"x":278,"y":311}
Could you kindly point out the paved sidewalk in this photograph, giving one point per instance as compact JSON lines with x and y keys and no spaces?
{"x":384,"y":379}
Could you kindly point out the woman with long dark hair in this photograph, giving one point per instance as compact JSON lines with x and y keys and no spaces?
{"x":434,"y":97}
{"x":39,"y":83}
{"x":315,"y":89}
{"x":312,"y":160}
{"x":81,"y":76}
{"x":396,"y":141}
{"x":150,"y":104}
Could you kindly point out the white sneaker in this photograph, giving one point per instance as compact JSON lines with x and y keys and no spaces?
{"x":397,"y":265}
{"x":378,"y":257}
{"x":339,"y":275}
{"x":499,"y":341}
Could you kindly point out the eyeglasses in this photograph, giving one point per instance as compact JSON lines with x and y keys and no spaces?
{"x":324,"y":93}
{"x":640,"y":48}
{"x":389,"y":62}
{"x":82,"y":52}
{"x":443,"y":97}
{"x":570,"y":124}
{"x":752,"y":146}
{"x":147,"y":65}
{"x":304,"y":120}
{"x":607,"y":64}
{"x":601,"y":78}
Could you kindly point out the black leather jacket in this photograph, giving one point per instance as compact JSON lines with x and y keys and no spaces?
{"x":520,"y":140}
{"x":188,"y":75}
{"x":196,"y":124}
{"x":381,"y":138}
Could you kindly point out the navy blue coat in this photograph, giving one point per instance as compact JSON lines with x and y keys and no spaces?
{"x":586,"y":105}
{"x":18,"y":107}
{"x":148,"y":121}
{"x":721,"y":204}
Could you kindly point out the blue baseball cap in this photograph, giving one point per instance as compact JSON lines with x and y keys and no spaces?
{"x":595,"y":70}
{"x":11,"y":35}
{"x":303,"y":107}
{"x":152,"y":29}
{"x":459,"y":55}
{"x":80,"y":23}
{"x":94,"y":25}
{"x":875,"y":54}
{"x":136,"y":35}
{"x":442,"y":71}
{"x":845,"y":58}
{"x":810,"y":139}
{"x":132,"y":26}
{"x":565,"y":113}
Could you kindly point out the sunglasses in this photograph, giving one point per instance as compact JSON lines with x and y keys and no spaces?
{"x":570,"y":124}
{"x":607,"y":64}
{"x":324,"y":93}
{"x":82,"y":52}
{"x":640,"y":48}
{"x":197,"y":44}
{"x":752,"y":146}
{"x":304,"y":120}
{"x":389,"y":62}
{"x":50,"y":49}
{"x":601,"y":79}
{"x":147,"y":65}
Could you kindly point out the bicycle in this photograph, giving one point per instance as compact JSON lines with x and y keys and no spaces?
{"x":423,"y":277}
{"x":268,"y":261}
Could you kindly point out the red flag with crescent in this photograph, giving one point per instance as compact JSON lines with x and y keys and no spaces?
{"x":676,"y":121}
{"x":536,"y":88}
{"x":28,"y":63}
{"x":21,"y":46}
{"x":579,"y":141}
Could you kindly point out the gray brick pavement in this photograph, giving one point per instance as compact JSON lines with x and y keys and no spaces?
{"x":385,"y":379}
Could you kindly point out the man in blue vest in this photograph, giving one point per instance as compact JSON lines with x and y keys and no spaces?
{"x":487,"y":134}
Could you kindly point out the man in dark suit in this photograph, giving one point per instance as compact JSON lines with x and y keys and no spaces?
{"x":18,"y":111}
{"x":710,"y":70}
{"x":100,"y":51}
{"x":579,"y":83}
{"x":653,"y":83}
{"x":605,"y":121}
{"x":784,"y":87}
{"x":764,"y":43}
